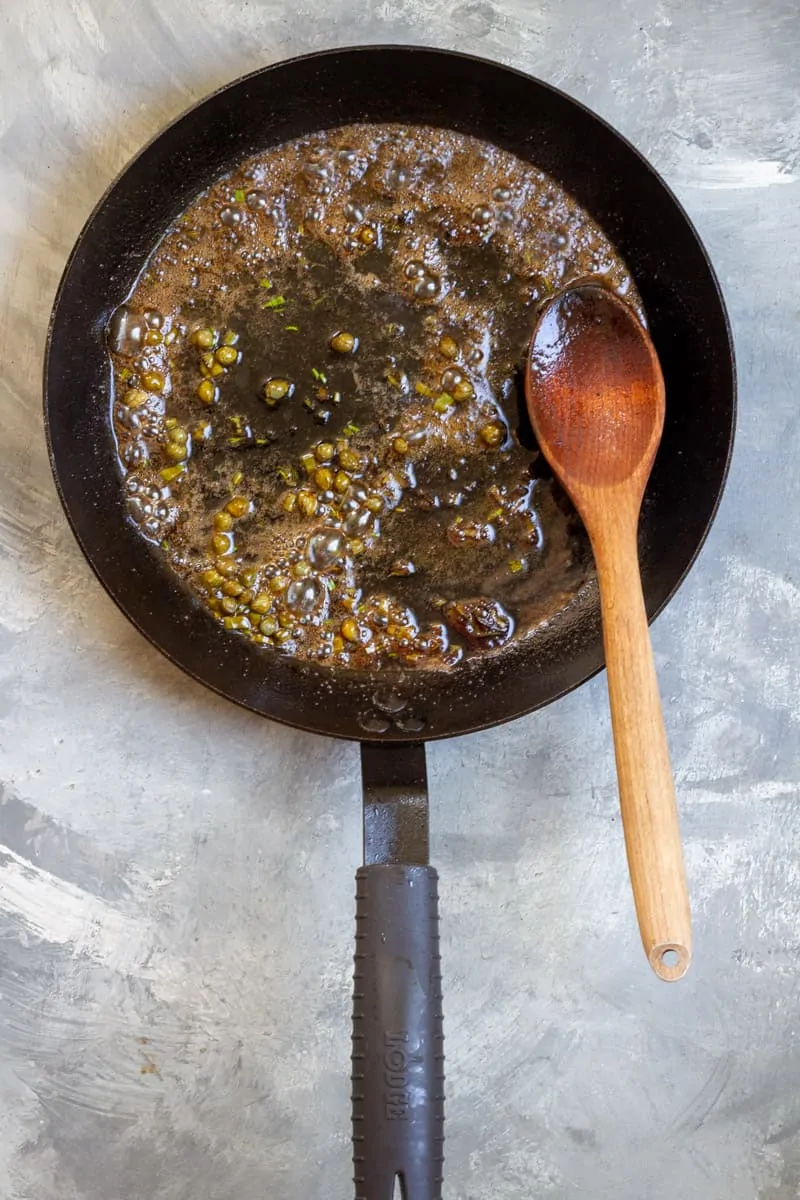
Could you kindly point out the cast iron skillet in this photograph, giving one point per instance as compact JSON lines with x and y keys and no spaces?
{"x":397,"y":1029}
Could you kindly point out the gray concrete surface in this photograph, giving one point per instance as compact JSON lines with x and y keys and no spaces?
{"x":176,"y":876}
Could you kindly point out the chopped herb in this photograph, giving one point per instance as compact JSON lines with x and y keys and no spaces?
{"x":125,"y":373}
{"x":351,"y":429}
{"x":330,"y":584}
{"x":336,"y":398}
{"x":516,"y":565}
{"x":443,"y":402}
{"x":394,"y":380}
{"x":308,"y":403}
{"x":265,"y":283}
{"x":422,"y":389}
{"x":320,"y":376}
{"x":287,"y":474}
{"x":275,"y":302}
{"x":316,"y":303}
{"x":238,"y":195}
{"x":236,"y":478}
{"x":292,"y":328}
{"x":494,"y":514}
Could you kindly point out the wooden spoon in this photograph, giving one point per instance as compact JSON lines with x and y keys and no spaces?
{"x":595,"y":396}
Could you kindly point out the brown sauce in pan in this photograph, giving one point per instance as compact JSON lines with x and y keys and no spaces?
{"x":318,"y":405}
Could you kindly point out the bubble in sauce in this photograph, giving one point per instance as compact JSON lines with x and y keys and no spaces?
{"x":257,"y":199}
{"x":325,"y":548}
{"x":126,"y":331}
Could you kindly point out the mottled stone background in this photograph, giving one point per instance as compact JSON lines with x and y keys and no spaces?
{"x":176,"y":876}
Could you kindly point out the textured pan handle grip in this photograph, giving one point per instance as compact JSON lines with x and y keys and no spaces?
{"x":398,"y":1043}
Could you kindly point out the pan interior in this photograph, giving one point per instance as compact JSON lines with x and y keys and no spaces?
{"x":319,"y":409}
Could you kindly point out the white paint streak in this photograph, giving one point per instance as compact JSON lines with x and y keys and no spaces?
{"x":736,"y":174}
{"x":55,"y":911}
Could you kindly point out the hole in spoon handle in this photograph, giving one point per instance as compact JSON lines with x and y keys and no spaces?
{"x":670,"y":961}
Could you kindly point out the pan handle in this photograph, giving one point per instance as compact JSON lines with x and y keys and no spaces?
{"x":398,"y":1043}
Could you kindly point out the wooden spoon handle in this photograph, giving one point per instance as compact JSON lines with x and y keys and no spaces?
{"x":646,"y":788}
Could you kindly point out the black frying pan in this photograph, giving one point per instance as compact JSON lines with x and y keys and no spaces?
{"x":397,"y":1029}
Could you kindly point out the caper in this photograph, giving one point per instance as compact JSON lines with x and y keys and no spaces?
{"x":249,"y":576}
{"x":223,"y":522}
{"x":262,"y":603}
{"x":350,"y":630}
{"x":204,"y":338}
{"x":301,"y":569}
{"x":177,"y":433}
{"x":463,"y":391}
{"x":227,"y":567}
{"x":349,"y":459}
{"x":152,"y":338}
{"x":289,"y":502}
{"x":493,"y":434}
{"x":222,"y":543}
{"x":307,"y":503}
{"x":278,"y":584}
{"x":374,"y":503}
{"x":227,"y":355}
{"x":343,"y":342}
{"x":207,"y":391}
{"x":276,"y":389}
{"x":135,"y":398}
{"x":323,"y":478}
{"x":153,"y":381}
{"x":177,"y":451}
{"x":171,"y":474}
{"x":239,"y":506}
{"x":356,"y":547}
{"x":212,"y":578}
{"x":324,"y":451}
{"x":228,"y":604}
{"x":448,"y":346}
{"x":268,"y":626}
{"x":201,"y":432}
{"x":341,"y":482}
{"x":229,"y":338}
{"x":232,"y":588}
{"x":400,"y":445}
{"x":367,"y":236}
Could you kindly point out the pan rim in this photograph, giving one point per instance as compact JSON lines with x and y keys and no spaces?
{"x":489,"y":720}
